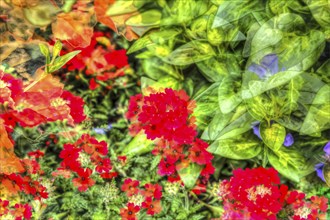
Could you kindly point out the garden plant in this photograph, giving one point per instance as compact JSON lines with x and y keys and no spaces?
{"x":165,"y":109}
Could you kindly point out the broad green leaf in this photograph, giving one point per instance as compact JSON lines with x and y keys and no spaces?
{"x":121,"y":7}
{"x":292,"y":95}
{"x":218,"y":67}
{"x":150,"y":18}
{"x":206,"y":105}
{"x":228,"y":93}
{"x":241,"y":147}
{"x":326,"y":173}
{"x":224,"y":126}
{"x":162,"y":83}
{"x":290,"y":163}
{"x":283,"y":6}
{"x":318,"y":117}
{"x":192,"y":52}
{"x":198,"y":27}
{"x":260,"y":107}
{"x":273,"y":136}
{"x":62,"y":60}
{"x":324,"y":72}
{"x":182,"y":12}
{"x":140,"y":44}
{"x":190,"y":174}
{"x":45,"y":51}
{"x":158,"y":37}
{"x":230,"y":12}
{"x":56,"y":50}
{"x":157,"y":69}
{"x":144,"y":21}
{"x":139,"y":145}
{"x":320,"y":10}
{"x":256,"y":87}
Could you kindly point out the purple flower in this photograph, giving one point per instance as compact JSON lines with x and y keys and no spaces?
{"x":288,"y":141}
{"x":102,"y":130}
{"x":319,"y":167}
{"x":267,"y":67}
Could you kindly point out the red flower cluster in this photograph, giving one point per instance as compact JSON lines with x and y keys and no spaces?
{"x":82,"y":157}
{"x":18,"y":211}
{"x":257,"y":194}
{"x":99,"y":59}
{"x":40,"y":101}
{"x":151,"y":196}
{"x":15,"y":183}
{"x":167,"y":117}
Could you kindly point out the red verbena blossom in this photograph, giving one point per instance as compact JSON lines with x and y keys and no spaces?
{"x":4,"y":207}
{"x":152,"y":190}
{"x":22,"y":211}
{"x":153,"y":206}
{"x":85,"y":152}
{"x":255,"y":191}
{"x":37,"y":154}
{"x":129,"y":213}
{"x":130,"y":187}
{"x":83,"y":182}
{"x":198,"y":153}
{"x":164,"y":115}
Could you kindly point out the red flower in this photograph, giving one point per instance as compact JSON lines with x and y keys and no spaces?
{"x":76,"y":105}
{"x":117,"y":58}
{"x":22,"y":211}
{"x":109,"y":175}
{"x":93,"y":84}
{"x":13,"y":182}
{"x":83,"y":181}
{"x":102,"y":165}
{"x":70,"y":152}
{"x":130,"y":187}
{"x":166,"y":115}
{"x":166,"y":167}
{"x":154,"y":191}
{"x":153,"y":206}
{"x":256,"y":191}
{"x":198,"y":153}
{"x":91,"y":146}
{"x":129,"y":213}
{"x":4,"y":207}
{"x":36,"y":154}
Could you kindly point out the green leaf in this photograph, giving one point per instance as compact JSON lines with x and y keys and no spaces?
{"x":139,"y":145}
{"x":56,"y":50}
{"x":292,"y":95}
{"x":140,"y":44}
{"x":241,"y":147}
{"x":229,"y":125}
{"x":320,"y":10}
{"x":45,"y":51}
{"x":61,"y":61}
{"x":156,"y":69}
{"x":228,"y":95}
{"x":142,"y":22}
{"x":157,"y":37}
{"x":318,"y":117}
{"x":190,"y":174}
{"x":290,"y":163}
{"x":272,"y":136}
{"x":206,"y":105}
{"x":253,"y":88}
{"x":326,"y":173}
{"x":218,"y":67}
{"x":190,"y":53}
